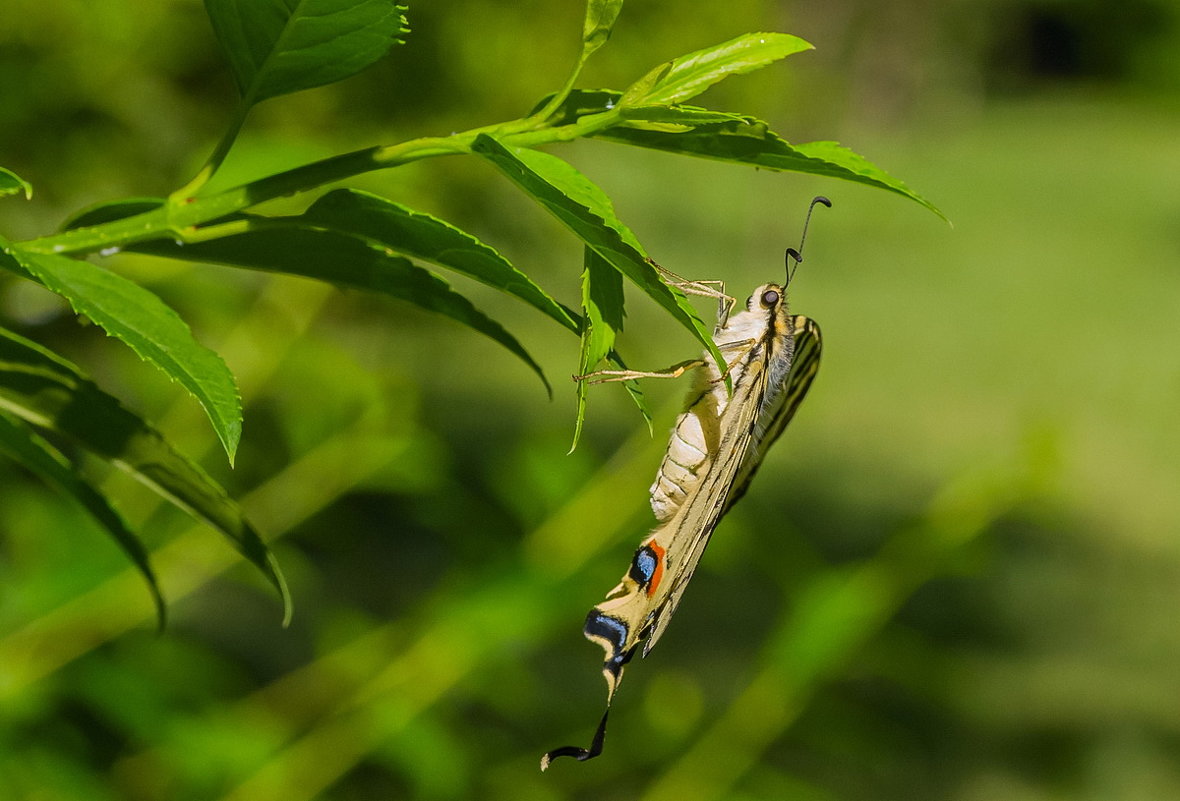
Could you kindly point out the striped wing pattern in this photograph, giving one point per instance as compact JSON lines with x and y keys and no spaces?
{"x":753,"y":437}
{"x":777,"y":357}
{"x":776,"y":415}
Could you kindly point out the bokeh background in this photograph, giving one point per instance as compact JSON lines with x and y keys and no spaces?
{"x":956,"y":577}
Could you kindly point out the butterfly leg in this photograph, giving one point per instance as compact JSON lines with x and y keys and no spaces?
{"x":675,"y":371}
{"x":708,"y":288}
{"x":604,"y":376}
{"x":741,"y":345}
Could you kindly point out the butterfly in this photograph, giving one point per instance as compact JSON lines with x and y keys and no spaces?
{"x":716,"y":447}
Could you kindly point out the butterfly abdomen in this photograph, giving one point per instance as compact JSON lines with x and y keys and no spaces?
{"x":688,"y":448}
{"x":696,"y":435}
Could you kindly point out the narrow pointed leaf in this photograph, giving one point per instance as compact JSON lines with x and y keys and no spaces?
{"x":280,"y":46}
{"x":752,"y":142}
{"x":422,"y":236}
{"x":49,"y":392}
{"x":602,"y":306}
{"x":295,"y":245}
{"x":346,"y":261}
{"x":837,"y":161}
{"x":111,"y":210}
{"x":140,"y":319}
{"x":689,"y":75}
{"x":23,"y":445}
{"x":678,"y":118}
{"x":11,"y":184}
{"x":602,"y":302}
{"x":731,"y":137}
{"x":584,"y":208}
{"x":600,"y":19}
{"x":602,"y":309}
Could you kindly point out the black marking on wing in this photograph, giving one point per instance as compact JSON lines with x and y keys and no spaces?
{"x":603,"y":628}
{"x":804,"y":366}
{"x":705,"y":508}
{"x":746,"y":433}
{"x":643,"y":566}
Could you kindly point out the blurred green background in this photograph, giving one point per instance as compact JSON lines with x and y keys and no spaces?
{"x":955,"y":578}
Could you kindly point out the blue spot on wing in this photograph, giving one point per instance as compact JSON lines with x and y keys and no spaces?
{"x":643,"y":566}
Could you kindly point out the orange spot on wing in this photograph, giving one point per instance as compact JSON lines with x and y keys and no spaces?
{"x":658,"y":573}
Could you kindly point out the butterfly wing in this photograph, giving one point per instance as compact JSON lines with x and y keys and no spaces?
{"x":768,"y":427}
{"x":642,"y":603}
{"x":685,"y":536}
{"x":639,"y":609}
{"x":772,"y":421}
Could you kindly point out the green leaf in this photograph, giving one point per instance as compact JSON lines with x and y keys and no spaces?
{"x":109,"y":211}
{"x":11,"y":183}
{"x":602,"y":302}
{"x":584,"y":209}
{"x":422,"y":236}
{"x":600,"y":19}
{"x":688,"y":76}
{"x":280,"y":46}
{"x":681,"y":118}
{"x":46,"y":390}
{"x":602,"y":309}
{"x":285,"y":246}
{"x":731,"y":137}
{"x":21,"y":444}
{"x":837,"y":161}
{"x":602,"y":306}
{"x":299,"y":246}
{"x":139,"y":318}
{"x":752,"y":142}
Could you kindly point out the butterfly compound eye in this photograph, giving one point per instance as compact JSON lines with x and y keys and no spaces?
{"x":770,"y":297}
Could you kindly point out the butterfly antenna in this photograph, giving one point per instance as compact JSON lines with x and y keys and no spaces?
{"x":797,"y":255}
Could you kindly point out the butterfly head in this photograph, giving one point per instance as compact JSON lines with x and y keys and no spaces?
{"x":766,"y":313}
{"x":767,"y":298}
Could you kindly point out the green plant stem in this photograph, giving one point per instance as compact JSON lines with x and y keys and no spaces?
{"x":180,"y":217}
{"x":560,"y":96}
{"x":216,"y":157}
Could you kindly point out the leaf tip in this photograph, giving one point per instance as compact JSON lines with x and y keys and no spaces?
{"x":580,"y":416}
{"x":153,"y":585}
{"x":161,"y":611}
{"x":11,"y":183}
{"x":275,"y":574}
{"x":230,"y":436}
